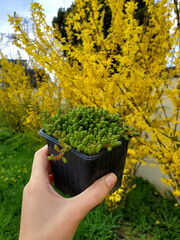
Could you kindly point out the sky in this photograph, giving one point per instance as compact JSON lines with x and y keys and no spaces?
{"x":22,"y":8}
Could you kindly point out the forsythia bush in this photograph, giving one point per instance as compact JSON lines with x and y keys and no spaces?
{"x":123,"y":72}
{"x":22,"y":104}
{"x":15,"y":92}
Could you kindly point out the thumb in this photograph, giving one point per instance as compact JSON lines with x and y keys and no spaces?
{"x":95,"y":194}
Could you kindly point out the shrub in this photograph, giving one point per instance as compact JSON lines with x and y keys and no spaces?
{"x":124,"y":72}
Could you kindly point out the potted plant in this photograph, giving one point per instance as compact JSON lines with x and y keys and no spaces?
{"x":85,"y":144}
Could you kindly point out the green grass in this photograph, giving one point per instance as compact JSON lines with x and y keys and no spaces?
{"x":135,"y":219}
{"x":150,"y":214}
{"x":99,"y":224}
{"x":16,"y":154}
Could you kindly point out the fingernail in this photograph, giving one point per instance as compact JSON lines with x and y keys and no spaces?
{"x":110,"y":180}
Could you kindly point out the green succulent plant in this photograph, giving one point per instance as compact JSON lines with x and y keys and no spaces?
{"x":87,"y":129}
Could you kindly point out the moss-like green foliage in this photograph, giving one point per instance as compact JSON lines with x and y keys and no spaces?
{"x":87,"y":129}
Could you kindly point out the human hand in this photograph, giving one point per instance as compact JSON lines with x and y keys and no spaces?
{"x":46,"y":215}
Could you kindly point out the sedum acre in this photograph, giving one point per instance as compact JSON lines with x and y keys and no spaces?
{"x":86,"y":129}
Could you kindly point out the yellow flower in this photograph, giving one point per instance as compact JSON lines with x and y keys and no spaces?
{"x":153,"y":165}
{"x":157,"y":222}
{"x":143,"y":163}
{"x":133,"y":186}
{"x":177,"y":192}
{"x":5,"y":179}
{"x":176,"y":204}
{"x":117,"y":198}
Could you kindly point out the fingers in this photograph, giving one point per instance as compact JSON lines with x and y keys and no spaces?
{"x":85,"y":201}
{"x":41,"y":167}
{"x":95,"y":194}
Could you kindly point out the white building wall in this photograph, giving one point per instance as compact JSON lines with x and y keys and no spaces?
{"x":154,"y":175}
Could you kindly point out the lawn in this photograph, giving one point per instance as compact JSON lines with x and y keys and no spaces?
{"x":144,"y":214}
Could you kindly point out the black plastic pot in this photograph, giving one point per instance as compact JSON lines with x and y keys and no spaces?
{"x":82,"y":170}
